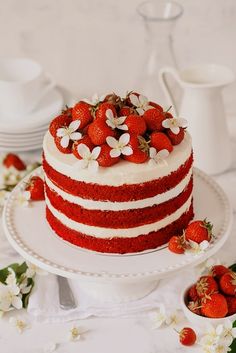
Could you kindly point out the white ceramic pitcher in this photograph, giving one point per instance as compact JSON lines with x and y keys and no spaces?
{"x":202,"y":105}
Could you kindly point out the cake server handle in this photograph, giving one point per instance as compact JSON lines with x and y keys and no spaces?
{"x":66,"y":296}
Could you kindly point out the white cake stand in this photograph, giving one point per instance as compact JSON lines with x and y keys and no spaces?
{"x":112,"y":277}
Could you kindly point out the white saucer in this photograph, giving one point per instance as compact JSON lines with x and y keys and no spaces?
{"x":19,"y":141}
{"x":22,"y":135}
{"x":25,"y":143}
{"x":30,"y":235}
{"x":27,"y":148}
{"x":49,"y":107}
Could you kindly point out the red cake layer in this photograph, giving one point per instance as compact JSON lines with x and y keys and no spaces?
{"x":126,"y":192}
{"x":121,"y":245}
{"x":119,"y":219}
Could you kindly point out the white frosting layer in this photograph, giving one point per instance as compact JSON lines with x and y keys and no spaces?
{"x":101,"y":232}
{"x":119,"y":206}
{"x":121,"y":173}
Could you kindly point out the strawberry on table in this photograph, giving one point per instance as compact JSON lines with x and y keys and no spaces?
{"x":215,"y":306}
{"x":154,"y":118}
{"x":205,"y":286}
{"x":198,"y":231}
{"x":160,"y":141}
{"x":176,"y":138}
{"x":82,"y":111}
{"x":36,"y":188}
{"x":228,"y":283}
{"x":12,"y":160}
{"x":98,"y":131}
{"x":176,"y":244}
{"x":104,"y":159}
{"x":86,"y":141}
{"x":136,"y":124}
{"x":187,"y":336}
{"x":140,"y":149}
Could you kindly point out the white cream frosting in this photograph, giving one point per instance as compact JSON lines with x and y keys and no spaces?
{"x":121,"y":173}
{"x":119,"y":206}
{"x":107,"y":233}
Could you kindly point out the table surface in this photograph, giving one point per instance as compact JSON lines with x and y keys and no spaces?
{"x":106,"y":335}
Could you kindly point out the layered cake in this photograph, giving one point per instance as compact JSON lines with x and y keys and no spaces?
{"x":118,"y":174}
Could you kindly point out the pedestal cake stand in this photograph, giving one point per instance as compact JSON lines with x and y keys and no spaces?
{"x":112,"y":277}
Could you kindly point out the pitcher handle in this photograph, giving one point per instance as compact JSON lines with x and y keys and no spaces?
{"x":163,"y":82}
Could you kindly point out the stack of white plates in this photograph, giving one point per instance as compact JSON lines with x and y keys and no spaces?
{"x":26,"y":132}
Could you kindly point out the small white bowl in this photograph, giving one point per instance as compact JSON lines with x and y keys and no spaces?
{"x":199,"y":320}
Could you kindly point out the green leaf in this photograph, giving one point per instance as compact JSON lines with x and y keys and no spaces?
{"x":21,"y":269}
{"x":233,"y":267}
{"x":5,"y":272}
{"x":233,"y":345}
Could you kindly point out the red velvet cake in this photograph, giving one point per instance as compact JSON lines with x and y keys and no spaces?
{"x":118,"y":174}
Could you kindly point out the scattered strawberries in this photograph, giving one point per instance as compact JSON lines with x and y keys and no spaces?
{"x":215,"y":306}
{"x":177,"y":244}
{"x":104,"y":159}
{"x":231,"y":301}
{"x":86,"y":141}
{"x":206,"y":285}
{"x":82,"y":111}
{"x":136,"y":124}
{"x":199,"y":231}
{"x":102,"y":108}
{"x":60,"y":121}
{"x":140,"y":149}
{"x":36,"y":188}
{"x":187,"y":336}
{"x":176,"y":138}
{"x":160,"y":141}
{"x":192,"y":293}
{"x":228,"y":283}
{"x":154,"y":118}
{"x":218,"y":271}
{"x":12,"y":160}
{"x":98,"y":131}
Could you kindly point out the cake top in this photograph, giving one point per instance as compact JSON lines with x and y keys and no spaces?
{"x":108,"y":130}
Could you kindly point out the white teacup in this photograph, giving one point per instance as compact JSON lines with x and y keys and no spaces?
{"x":22,"y":86}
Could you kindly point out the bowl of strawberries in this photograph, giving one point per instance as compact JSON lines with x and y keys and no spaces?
{"x":212,"y":299}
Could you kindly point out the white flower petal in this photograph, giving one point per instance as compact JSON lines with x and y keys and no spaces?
{"x":166,"y":123}
{"x":95,"y":152}
{"x":93,"y":165}
{"x":126,"y":151}
{"x":182,"y":122}
{"x":112,"y":142}
{"x":109,"y":114}
{"x":75,"y":136}
{"x":152,"y":152}
{"x":163,"y":154}
{"x":74,"y":125}
{"x":124,"y":139}
{"x":26,"y":290}
{"x":123,"y":127}
{"x":115,"y":152}
{"x":26,"y":195}
{"x":175,"y":129}
{"x":82,"y":164}
{"x":83,"y":151}
{"x":143,"y":100}
{"x":204,"y":245}
{"x":121,"y":120}
{"x":140,"y":111}
{"x":111,"y":124}
{"x":134,"y":100}
{"x":61,"y":132}
{"x":17,"y":302}
{"x":65,"y":141}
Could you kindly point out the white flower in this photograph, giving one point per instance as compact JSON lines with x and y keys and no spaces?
{"x":119,"y":146}
{"x":95,"y":99}
{"x":24,"y":288}
{"x":212,"y":335}
{"x":10,"y":296}
{"x":24,"y":198}
{"x":50,"y":347}
{"x":69,"y":133}
{"x":158,"y":157}
{"x":114,"y":122}
{"x":11,"y":278}
{"x":174,"y":124}
{"x":19,"y":324}
{"x":89,"y":159}
{"x":221,"y":348}
{"x":173,"y":319}
{"x":141,"y":103}
{"x":159,"y":317}
{"x":228,"y":333}
{"x":195,"y":248}
{"x":32,"y":270}
{"x":3,"y":197}
{"x":74,"y":333}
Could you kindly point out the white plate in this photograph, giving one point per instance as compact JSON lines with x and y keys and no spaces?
{"x":21,"y":136}
{"x":25,"y":142}
{"x":21,"y":148}
{"x":49,"y":107}
{"x":29,"y":233}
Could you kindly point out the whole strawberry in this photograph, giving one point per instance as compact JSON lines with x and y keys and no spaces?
{"x":206,"y":285}
{"x":231,"y":301}
{"x":136,"y":124}
{"x":176,"y":244}
{"x":36,"y":188}
{"x":60,"y":121}
{"x":192,"y":293}
{"x":154,"y":118}
{"x":160,"y":141}
{"x":140,"y":149}
{"x":98,"y":131}
{"x":157,"y":106}
{"x":228,"y":283}
{"x":176,"y":138}
{"x":102,"y":109}
{"x":187,"y":336}
{"x":86,"y":141}
{"x":114,"y":99}
{"x":65,"y":150}
{"x":199,"y":231}
{"x":215,"y":306}
{"x":218,"y":271}
{"x":125,"y":111}
{"x":12,"y":160}
{"x":82,"y":111}
{"x":104,"y":159}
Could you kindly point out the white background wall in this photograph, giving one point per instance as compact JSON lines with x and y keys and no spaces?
{"x":96,"y":45}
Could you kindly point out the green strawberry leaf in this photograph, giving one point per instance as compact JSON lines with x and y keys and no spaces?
{"x":5,"y":272}
{"x":233,"y":267}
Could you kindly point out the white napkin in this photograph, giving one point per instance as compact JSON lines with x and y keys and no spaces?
{"x":44,"y":301}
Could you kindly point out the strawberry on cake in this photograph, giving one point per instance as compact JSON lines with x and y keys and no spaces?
{"x":118,"y":174}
